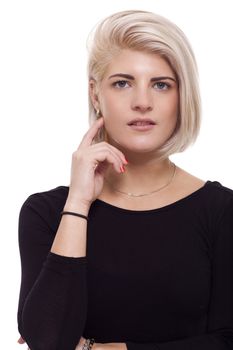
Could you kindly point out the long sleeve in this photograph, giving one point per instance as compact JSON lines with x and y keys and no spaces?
{"x":159,"y":279}
{"x":53,"y":294}
{"x":219,"y":332}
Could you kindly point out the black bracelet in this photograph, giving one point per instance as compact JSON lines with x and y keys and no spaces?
{"x":75,"y":214}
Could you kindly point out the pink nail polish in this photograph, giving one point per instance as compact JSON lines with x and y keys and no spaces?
{"x":122,"y":169}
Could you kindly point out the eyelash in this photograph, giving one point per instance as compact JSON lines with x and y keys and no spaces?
{"x":115,"y":84}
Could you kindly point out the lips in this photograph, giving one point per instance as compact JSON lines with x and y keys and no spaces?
{"x":141,"y":122}
{"x":141,"y":125}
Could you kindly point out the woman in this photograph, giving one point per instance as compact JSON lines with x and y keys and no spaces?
{"x":136,"y":253}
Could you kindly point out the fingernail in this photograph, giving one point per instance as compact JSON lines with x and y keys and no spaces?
{"x":126,"y":161}
{"x":122,"y":168}
{"x":20,"y":341}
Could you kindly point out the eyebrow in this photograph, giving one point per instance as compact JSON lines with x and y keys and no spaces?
{"x":130,"y":77}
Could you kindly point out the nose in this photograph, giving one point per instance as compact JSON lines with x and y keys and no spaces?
{"x":142,"y":100}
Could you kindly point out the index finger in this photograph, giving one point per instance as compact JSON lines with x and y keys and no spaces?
{"x":91,"y":133}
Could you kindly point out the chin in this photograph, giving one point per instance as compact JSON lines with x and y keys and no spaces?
{"x":142,"y":150}
{"x":137,"y":146}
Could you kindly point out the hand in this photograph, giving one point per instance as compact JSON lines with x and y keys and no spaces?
{"x":80,"y":344}
{"x":102,"y":346}
{"x":89,"y":163}
{"x":109,"y":346}
{"x":21,"y":340}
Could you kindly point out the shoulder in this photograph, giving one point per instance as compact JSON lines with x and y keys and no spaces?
{"x":219,"y":191}
{"x":215,"y":206}
{"x":52,"y":196}
{"x":220,"y":196}
{"x":45,"y":206}
{"x":213,"y":192}
{"x":212,"y":207}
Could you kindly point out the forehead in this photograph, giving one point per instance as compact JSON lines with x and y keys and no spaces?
{"x":137,"y":63}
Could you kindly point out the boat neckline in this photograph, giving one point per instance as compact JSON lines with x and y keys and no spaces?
{"x":153,"y":210}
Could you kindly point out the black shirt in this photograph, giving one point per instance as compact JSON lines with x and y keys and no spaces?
{"x":159,"y":279}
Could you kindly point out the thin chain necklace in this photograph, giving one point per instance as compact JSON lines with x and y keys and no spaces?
{"x":129,"y":194}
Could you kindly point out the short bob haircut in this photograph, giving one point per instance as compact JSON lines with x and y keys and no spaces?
{"x":152,"y":33}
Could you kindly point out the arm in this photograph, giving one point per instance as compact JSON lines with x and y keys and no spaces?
{"x":53,"y":296}
{"x":219,"y":330}
{"x":52,"y":305}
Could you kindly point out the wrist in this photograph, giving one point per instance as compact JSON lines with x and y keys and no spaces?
{"x":77,"y":205}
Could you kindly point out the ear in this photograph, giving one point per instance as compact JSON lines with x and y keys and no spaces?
{"x":93,"y":91}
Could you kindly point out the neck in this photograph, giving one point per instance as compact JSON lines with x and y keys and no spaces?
{"x":141,"y":175}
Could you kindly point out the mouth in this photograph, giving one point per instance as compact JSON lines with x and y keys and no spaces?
{"x":141,"y":124}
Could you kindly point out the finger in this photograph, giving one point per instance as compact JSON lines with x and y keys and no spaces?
{"x":119,"y":153}
{"x":91,"y":133}
{"x":104,"y":145}
{"x":21,"y":340}
{"x":109,"y":157}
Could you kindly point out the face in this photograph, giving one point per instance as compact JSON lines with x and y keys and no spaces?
{"x":138,"y":98}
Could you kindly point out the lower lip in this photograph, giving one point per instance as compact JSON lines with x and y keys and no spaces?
{"x":142,"y":127}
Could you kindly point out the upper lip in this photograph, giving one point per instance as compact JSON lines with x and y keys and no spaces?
{"x":142,"y":120}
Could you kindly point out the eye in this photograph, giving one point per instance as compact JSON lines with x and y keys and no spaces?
{"x":120,"y":84}
{"x":162,"y":86}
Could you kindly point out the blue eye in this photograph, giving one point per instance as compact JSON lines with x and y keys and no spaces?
{"x":162,"y":86}
{"x":120,"y":84}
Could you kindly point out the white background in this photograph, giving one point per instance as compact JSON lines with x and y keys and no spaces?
{"x":43,"y":105}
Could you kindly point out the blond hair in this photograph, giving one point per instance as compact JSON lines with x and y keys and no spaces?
{"x":152,"y":33}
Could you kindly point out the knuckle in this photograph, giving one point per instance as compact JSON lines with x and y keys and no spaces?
{"x":76,"y":155}
{"x":85,"y":134}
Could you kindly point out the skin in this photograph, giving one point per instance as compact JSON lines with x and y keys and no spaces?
{"x":96,"y":346}
{"x":122,"y":99}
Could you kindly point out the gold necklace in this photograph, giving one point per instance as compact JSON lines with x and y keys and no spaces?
{"x":129,"y":194}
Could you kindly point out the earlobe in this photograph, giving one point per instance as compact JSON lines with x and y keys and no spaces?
{"x":93,"y":93}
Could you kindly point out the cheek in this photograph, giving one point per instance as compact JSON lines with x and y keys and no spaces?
{"x":171,"y":108}
{"x":169,"y":117}
{"x":107,"y":107}
{"x":111,"y":111}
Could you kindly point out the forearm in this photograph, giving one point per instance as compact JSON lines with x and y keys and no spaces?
{"x":58,"y":300}
{"x":70,"y":239}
